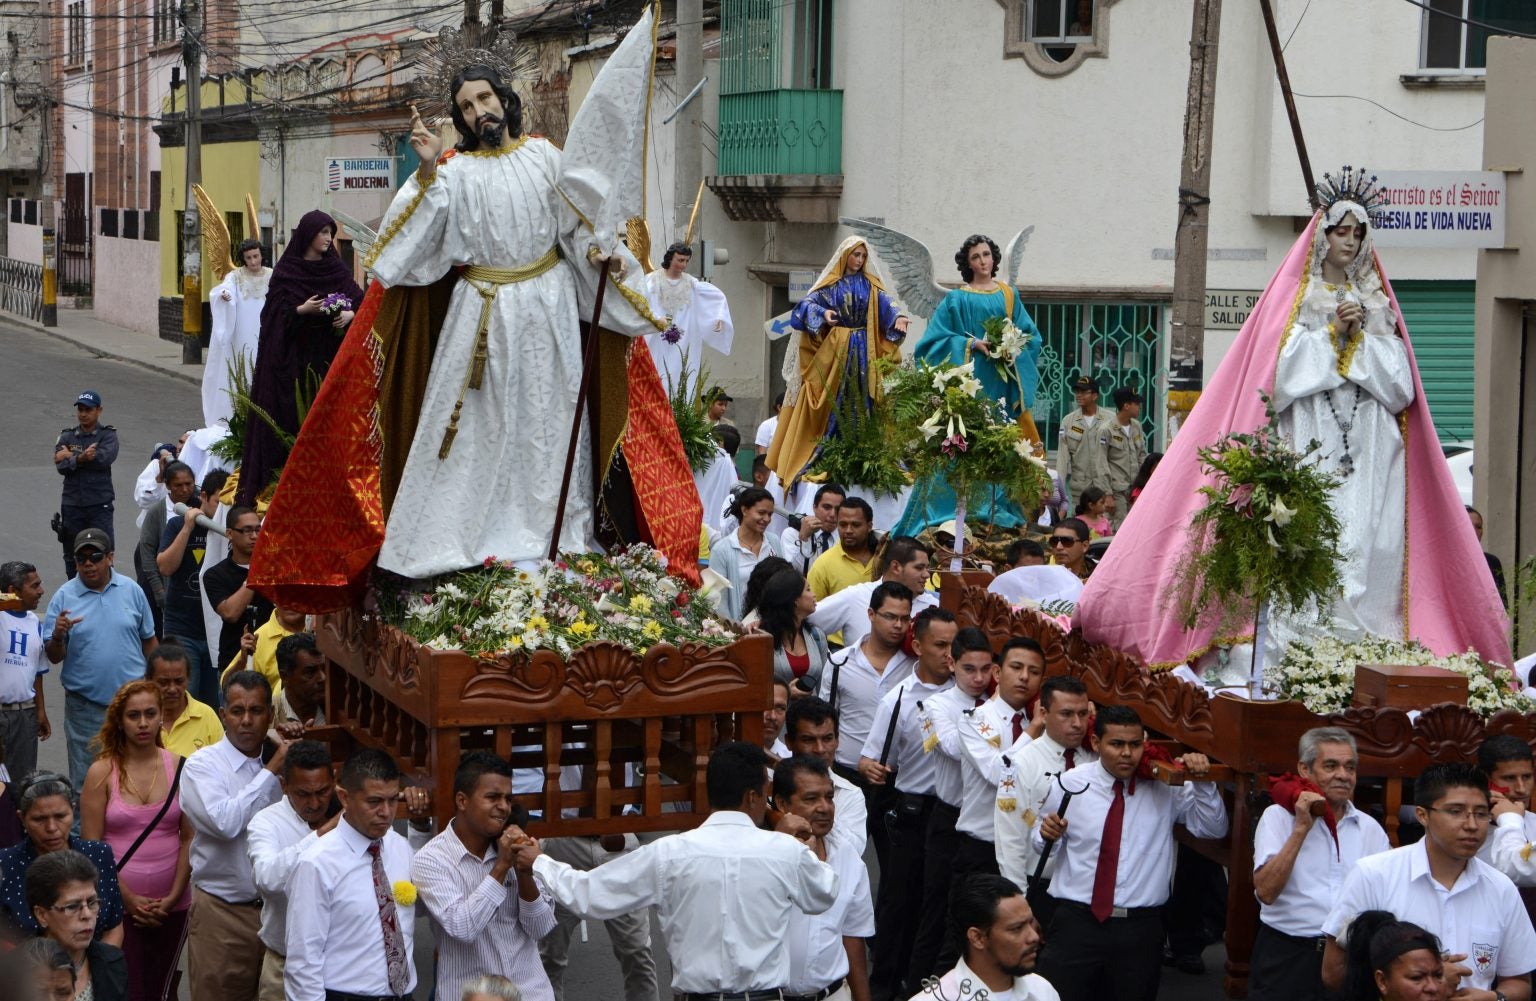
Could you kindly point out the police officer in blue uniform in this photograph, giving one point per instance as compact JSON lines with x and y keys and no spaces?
{"x":83,"y":455}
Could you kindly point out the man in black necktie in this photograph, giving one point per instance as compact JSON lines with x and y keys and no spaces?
{"x":1116,"y":858}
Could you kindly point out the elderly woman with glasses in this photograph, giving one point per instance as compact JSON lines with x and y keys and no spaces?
{"x":1069,"y":547}
{"x":46,"y":803}
{"x":41,"y":966}
{"x":62,"y":896}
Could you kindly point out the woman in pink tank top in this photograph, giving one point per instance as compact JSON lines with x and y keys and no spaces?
{"x":134,"y":788}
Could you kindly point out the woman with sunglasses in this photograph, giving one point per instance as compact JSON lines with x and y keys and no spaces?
{"x":46,"y":803}
{"x":131,"y":801}
{"x":61,"y":894}
{"x":1069,"y":547}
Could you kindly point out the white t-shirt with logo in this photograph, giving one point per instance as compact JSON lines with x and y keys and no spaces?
{"x":21,"y":655}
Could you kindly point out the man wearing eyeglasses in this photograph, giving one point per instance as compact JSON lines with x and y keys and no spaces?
{"x":1440,"y":884}
{"x":240,"y":608}
{"x":101,"y":631}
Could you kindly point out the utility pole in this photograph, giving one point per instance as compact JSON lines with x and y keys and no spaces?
{"x":473,"y":29}
{"x":688,"y":133}
{"x":191,"y":230}
{"x":1189,"y":247}
{"x":1277,"y":52}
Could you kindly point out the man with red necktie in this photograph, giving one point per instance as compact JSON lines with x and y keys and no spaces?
{"x":1116,"y":854}
{"x":1000,"y":726}
{"x":352,"y":915}
{"x":1028,"y":778}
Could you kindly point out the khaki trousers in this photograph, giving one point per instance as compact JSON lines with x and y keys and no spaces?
{"x":271,"y":988}
{"x":224,"y":949}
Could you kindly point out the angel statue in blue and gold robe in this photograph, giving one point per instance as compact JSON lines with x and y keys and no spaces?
{"x":956,"y":334}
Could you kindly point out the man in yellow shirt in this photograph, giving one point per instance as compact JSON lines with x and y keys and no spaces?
{"x":260,"y":648}
{"x":851,"y":560}
{"x":185,"y":723}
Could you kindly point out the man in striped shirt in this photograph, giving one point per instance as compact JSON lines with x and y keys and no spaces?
{"x":487,"y":914}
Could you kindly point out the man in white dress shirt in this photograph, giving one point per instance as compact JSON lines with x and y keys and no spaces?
{"x":999,"y":727}
{"x":766,"y":429}
{"x":1299,"y":867}
{"x":1002,"y":942}
{"x":356,"y":929}
{"x":723,"y":892}
{"x":466,"y":879}
{"x":1106,"y":937}
{"x":817,"y":531}
{"x":846,"y":612}
{"x":854,"y":681}
{"x":827,"y":955}
{"x":1507,"y":761}
{"x":810,"y":728}
{"x":1028,"y":778}
{"x":277,"y":836}
{"x":896,"y":753}
{"x":971,"y":661}
{"x":222,"y":789}
{"x":1441,"y":885}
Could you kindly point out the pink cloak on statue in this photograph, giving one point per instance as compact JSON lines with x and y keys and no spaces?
{"x":1450,"y":602}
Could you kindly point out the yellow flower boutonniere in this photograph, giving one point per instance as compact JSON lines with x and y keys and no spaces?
{"x":405,"y":892}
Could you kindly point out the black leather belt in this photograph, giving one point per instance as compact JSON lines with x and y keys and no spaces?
{"x":773,"y":994}
{"x":1117,"y":912}
{"x":331,"y":995}
{"x":1318,"y":942}
{"x":825,"y":992}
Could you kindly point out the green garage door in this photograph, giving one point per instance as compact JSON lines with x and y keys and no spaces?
{"x":1439,"y":316}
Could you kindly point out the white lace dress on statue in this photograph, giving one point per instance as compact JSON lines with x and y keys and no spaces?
{"x":495,"y":494}
{"x":1354,"y":415}
{"x":236,"y":331}
{"x":694,"y":307}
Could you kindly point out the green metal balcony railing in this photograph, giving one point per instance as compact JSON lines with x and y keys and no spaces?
{"x":781,"y":132}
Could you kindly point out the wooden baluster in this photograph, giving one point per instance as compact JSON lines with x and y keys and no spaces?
{"x":602,"y":770}
{"x":1392,"y":803}
{"x":651,"y":763}
{"x":1242,"y":906}
{"x":552,"y":748}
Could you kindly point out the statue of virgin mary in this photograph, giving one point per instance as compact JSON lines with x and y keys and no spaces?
{"x":1327,"y":343}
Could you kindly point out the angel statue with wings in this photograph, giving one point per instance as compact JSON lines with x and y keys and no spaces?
{"x":983,"y":321}
{"x":235,"y":303}
{"x":844,"y":324}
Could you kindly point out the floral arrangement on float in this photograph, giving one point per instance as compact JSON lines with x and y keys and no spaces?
{"x":690,"y":413}
{"x":1005,"y":342}
{"x":943,"y":428}
{"x":1321,"y":674}
{"x":1267,"y":536}
{"x":501,"y":609}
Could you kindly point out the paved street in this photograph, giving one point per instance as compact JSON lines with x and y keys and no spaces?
{"x":148,"y":405}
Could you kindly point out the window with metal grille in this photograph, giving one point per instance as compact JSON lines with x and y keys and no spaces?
{"x":164,"y":21}
{"x":1449,"y":42}
{"x":75,"y":49}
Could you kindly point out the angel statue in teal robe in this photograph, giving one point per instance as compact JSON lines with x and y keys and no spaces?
{"x":956,"y":334}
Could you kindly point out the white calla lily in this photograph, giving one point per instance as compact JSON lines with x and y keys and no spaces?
{"x":1279,"y":513}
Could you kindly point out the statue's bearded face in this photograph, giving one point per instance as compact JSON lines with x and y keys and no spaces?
{"x":482,"y":110}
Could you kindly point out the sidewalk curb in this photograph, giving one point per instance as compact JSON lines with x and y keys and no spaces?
{"x":59,"y":334}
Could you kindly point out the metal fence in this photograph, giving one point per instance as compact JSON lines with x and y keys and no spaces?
{"x":21,"y":288}
{"x":1114,"y":343}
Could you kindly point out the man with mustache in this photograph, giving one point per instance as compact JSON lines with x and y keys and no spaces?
{"x":1300,"y":865}
{"x":1002,"y":940}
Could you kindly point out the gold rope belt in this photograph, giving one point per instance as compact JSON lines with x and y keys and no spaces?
{"x":487,"y":281}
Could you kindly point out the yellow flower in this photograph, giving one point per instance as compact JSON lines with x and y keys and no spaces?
{"x":538,"y":623}
{"x":515,"y":643}
{"x":640,"y":604}
{"x":405,"y":892}
{"x":652,"y":631}
{"x":582,"y":628}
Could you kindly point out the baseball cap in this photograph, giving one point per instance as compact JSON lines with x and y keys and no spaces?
{"x":89,"y":398}
{"x":94,"y":538}
{"x":1083,"y":384}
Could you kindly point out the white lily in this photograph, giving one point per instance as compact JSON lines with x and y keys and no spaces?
{"x":1279,"y":513}
{"x":1270,"y":532}
{"x":930,"y":427}
{"x":970,"y":385}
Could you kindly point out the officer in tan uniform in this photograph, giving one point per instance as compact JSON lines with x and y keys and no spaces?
{"x":1082,"y":458}
{"x":1127,"y":449}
